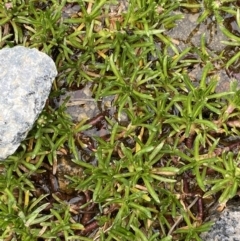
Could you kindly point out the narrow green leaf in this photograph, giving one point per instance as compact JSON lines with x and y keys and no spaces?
{"x":150,"y":189}
{"x":140,"y":208}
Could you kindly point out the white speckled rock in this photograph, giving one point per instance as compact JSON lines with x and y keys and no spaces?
{"x":26,"y":77}
{"x":226,"y":224}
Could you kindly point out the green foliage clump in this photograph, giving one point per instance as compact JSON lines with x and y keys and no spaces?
{"x":169,"y":148}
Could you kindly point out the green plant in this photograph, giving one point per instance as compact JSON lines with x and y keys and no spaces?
{"x":167,"y":148}
{"x":234,"y":40}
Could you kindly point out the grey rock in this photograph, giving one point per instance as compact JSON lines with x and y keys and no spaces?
{"x":26,"y":77}
{"x":226,"y":224}
{"x":188,"y":32}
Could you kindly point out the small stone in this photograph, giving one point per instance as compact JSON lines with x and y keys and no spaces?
{"x":226,"y":224}
{"x":26,"y":77}
{"x":65,"y":167}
